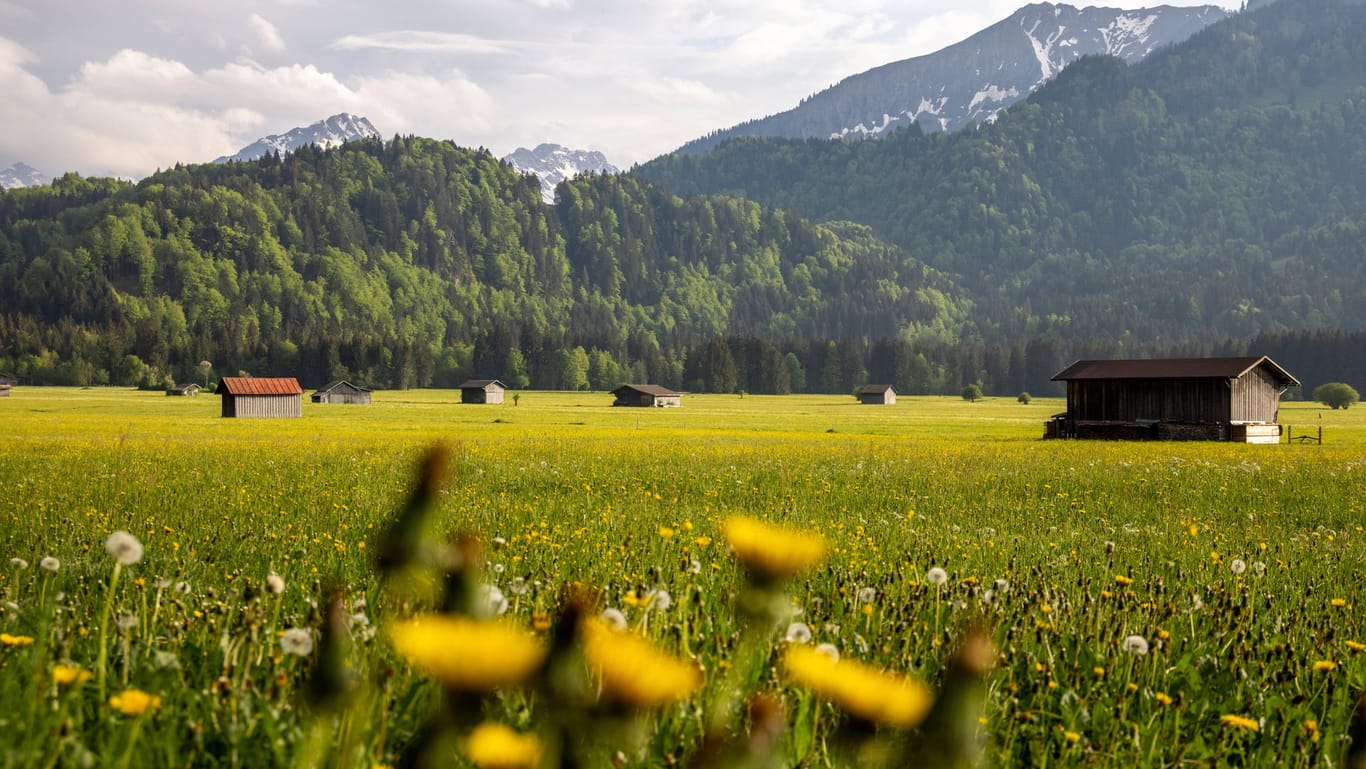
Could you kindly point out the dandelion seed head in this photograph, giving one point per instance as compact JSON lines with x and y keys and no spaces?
{"x":182,"y":587}
{"x":1002,"y":585}
{"x":20,"y":562}
{"x":867,"y":595}
{"x":1109,"y":546}
{"x":694,"y":566}
{"x":49,"y":564}
{"x":127,"y":621}
{"x":125,"y":547}
{"x":1258,"y":568}
{"x":498,"y":568}
{"x":297,"y":641}
{"x":660,"y":600}
{"x":798,"y":633}
{"x":614,"y":619}
{"x":519,"y":586}
{"x":1237,"y":566}
{"x":936,"y":576}
{"x":134,"y":702}
{"x":161,"y":583}
{"x":829,"y":650}
{"x":275,"y":583}
{"x":988,"y":596}
{"x":490,"y":601}
{"x":1136,"y":644}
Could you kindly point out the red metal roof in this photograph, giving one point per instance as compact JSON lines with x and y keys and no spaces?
{"x":260,"y":385}
{"x":1171,"y":368}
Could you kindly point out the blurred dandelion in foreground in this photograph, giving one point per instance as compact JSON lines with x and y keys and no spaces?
{"x":936,"y":576}
{"x":867,"y":595}
{"x":125,"y":547}
{"x":275,"y":583}
{"x":862,"y":691}
{"x":67,"y":675}
{"x":772,"y":553}
{"x":490,"y":601}
{"x":1136,"y":645}
{"x":134,"y":702}
{"x":1240,"y":722}
{"x":798,"y":633}
{"x":829,"y":650}
{"x":632,"y":671}
{"x":20,"y":562}
{"x":297,"y":641}
{"x":495,"y":746}
{"x":15,"y":640}
{"x":127,"y":621}
{"x":466,"y":654}
{"x":49,"y":564}
{"x":614,"y":619}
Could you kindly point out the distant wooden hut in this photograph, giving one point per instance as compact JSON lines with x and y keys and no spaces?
{"x":7,"y":382}
{"x":342,"y":391}
{"x":261,"y":396}
{"x":188,"y":390}
{"x":647,"y":395}
{"x":877,"y":395}
{"x":489,"y":391}
{"x":1217,"y":399}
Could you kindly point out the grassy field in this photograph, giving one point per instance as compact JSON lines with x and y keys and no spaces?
{"x":1237,"y":568}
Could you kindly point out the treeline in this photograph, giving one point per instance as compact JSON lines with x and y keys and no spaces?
{"x":414,"y":262}
{"x":1215,"y":189}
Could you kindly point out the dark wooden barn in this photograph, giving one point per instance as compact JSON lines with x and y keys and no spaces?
{"x":6,"y":383}
{"x":482,"y":391}
{"x":877,"y":395}
{"x":261,"y":396}
{"x":647,"y":395}
{"x":342,"y":391}
{"x":187,"y":390}
{"x":1223,"y":399}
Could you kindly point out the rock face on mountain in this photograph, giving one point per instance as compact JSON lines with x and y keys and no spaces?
{"x":22,"y":175}
{"x":327,"y":133}
{"x":972,"y":80}
{"x":552,"y":164}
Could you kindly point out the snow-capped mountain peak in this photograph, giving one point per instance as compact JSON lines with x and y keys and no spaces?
{"x":328,"y":133}
{"x":22,"y":175}
{"x":552,"y":164}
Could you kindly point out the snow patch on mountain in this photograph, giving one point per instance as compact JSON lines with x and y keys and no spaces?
{"x":552,"y":164}
{"x":329,"y":133}
{"x":22,"y":175}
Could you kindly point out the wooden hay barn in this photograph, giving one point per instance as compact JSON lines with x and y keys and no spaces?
{"x":647,"y":395}
{"x":342,"y":391}
{"x":877,"y":395}
{"x":261,"y":397}
{"x":1212,"y":399}
{"x":186,"y":390}
{"x":489,"y":391}
{"x":6,"y":382}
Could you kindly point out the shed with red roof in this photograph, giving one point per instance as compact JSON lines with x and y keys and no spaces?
{"x":261,"y":396}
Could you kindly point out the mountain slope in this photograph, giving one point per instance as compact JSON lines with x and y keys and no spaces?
{"x":971,"y":80}
{"x":1216,"y":188}
{"x":327,"y":133}
{"x":553,"y":164}
{"x":22,"y":175}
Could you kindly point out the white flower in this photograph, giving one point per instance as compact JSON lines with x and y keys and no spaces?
{"x":125,"y":547}
{"x":614,"y":619}
{"x":867,"y":595}
{"x":659,"y":600}
{"x":694,"y":566}
{"x":275,"y":583}
{"x":297,"y":641}
{"x":127,"y":621}
{"x":988,"y":596}
{"x":498,"y":543}
{"x":359,"y":620}
{"x":1109,"y":546}
{"x":1136,"y":644}
{"x":798,"y":633}
{"x":1196,"y":603}
{"x":1237,"y":566}
{"x":519,"y":586}
{"x":491,"y":601}
{"x":498,"y":568}
{"x":20,"y":562}
{"x":936,"y":576}
{"x":162,"y":583}
{"x":1002,"y":585}
{"x":182,"y":587}
{"x":1258,"y":568}
{"x":830,"y":650}
{"x":49,"y":564}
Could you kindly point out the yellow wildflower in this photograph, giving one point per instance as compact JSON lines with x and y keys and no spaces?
{"x":1163,"y":698}
{"x":1240,"y":722}
{"x":665,"y":532}
{"x":1312,"y":727}
{"x":65,"y":675}
{"x":771,"y":553}
{"x":1324,"y":666}
{"x":632,"y":671}
{"x":134,"y":702}
{"x":1072,"y":737}
{"x":1356,"y":646}
{"x":1123,"y":580}
{"x":864,"y":692}
{"x":468,"y":655}
{"x":1099,"y":671}
{"x":15,"y":640}
{"x":495,"y":746}
{"x":1338,"y":602}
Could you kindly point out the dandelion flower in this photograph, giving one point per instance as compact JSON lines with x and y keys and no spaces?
{"x":659,"y":600}
{"x":614,"y":619}
{"x":467,"y":654}
{"x":1325,"y":666}
{"x":1240,"y":722}
{"x":798,"y":633}
{"x":519,"y":586}
{"x":1123,"y":581}
{"x":275,"y":583}
{"x":1136,"y":644}
{"x":867,"y":595}
{"x":20,"y":562}
{"x":125,"y":547}
{"x":862,"y":691}
{"x":1356,"y":646}
{"x":491,"y":602}
{"x":1338,"y":602}
{"x":936,"y":576}
{"x":67,"y":675}
{"x":1163,"y":698}
{"x":1237,"y":566}
{"x":127,"y":621}
{"x":49,"y":564}
{"x":297,"y":641}
{"x":183,"y":587}
{"x":829,"y":650}
{"x":495,"y":746}
{"x":633,"y":672}
{"x":134,"y":702}
{"x":771,"y":553}
{"x":15,"y":640}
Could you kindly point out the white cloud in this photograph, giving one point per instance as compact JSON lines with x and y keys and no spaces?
{"x":414,"y":41}
{"x":267,"y":33}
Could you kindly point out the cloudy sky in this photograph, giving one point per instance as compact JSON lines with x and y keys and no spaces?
{"x":124,"y":87}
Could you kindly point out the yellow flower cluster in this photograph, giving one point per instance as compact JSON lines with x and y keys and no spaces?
{"x":632,"y":671}
{"x":466,"y":654}
{"x":772,"y":553}
{"x":134,"y":702}
{"x":869,"y":694}
{"x":15,"y":640}
{"x":495,"y":746}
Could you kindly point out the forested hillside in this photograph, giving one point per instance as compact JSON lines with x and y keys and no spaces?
{"x":1217,"y":189}
{"x":415,"y":262}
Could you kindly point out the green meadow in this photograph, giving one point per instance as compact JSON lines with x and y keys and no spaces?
{"x":1237,"y":569}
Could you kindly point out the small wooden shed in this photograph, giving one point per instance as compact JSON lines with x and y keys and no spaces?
{"x":6,"y":383}
{"x":342,"y":391}
{"x":1217,"y":399}
{"x":261,"y":396}
{"x":877,"y":395}
{"x":187,"y":390}
{"x":647,"y":395}
{"x":482,"y":391}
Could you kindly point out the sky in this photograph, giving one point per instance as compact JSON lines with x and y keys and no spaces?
{"x":124,"y":87}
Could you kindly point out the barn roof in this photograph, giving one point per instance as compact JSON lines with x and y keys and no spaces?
{"x":185,"y":386}
{"x":341,"y":385}
{"x":480,"y":384}
{"x":1172,"y":368}
{"x":647,"y":389}
{"x":262,"y":385}
{"x":875,"y":389}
